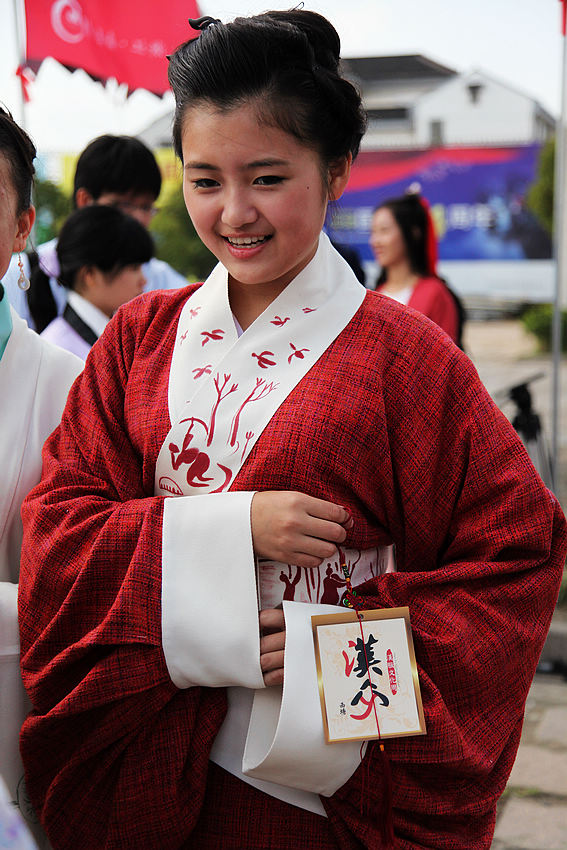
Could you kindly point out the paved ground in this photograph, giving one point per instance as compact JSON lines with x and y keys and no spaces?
{"x":533,"y":810}
{"x":504,"y":355}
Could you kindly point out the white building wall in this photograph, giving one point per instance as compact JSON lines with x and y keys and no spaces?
{"x":388,"y":138}
{"x":500,"y":115}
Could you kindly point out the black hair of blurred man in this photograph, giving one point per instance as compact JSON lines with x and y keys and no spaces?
{"x":118,"y":171}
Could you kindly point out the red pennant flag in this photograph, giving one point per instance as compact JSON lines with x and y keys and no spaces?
{"x":26,"y":76}
{"x":125,"y":40}
{"x":564,"y":16}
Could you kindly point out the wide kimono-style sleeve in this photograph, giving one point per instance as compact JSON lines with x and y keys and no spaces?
{"x":480,"y":548}
{"x":106,"y":714}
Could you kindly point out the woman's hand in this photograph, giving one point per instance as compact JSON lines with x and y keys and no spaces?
{"x":272,"y":644}
{"x":295,"y":528}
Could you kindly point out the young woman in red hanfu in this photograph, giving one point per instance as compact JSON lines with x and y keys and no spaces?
{"x":403,"y":240}
{"x":274,"y":413}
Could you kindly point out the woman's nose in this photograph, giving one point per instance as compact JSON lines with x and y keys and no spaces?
{"x":238,"y":210}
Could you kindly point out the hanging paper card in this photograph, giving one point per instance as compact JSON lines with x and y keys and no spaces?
{"x":368,"y":682}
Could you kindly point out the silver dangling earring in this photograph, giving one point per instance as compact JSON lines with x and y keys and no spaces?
{"x":23,"y":281}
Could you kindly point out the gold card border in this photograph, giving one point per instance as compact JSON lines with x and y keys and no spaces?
{"x":350,"y":616}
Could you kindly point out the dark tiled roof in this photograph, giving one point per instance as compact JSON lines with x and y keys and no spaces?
{"x":382,"y":68}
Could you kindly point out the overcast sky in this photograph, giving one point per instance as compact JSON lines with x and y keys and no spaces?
{"x":517,"y":41}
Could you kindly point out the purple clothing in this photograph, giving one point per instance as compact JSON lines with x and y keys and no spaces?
{"x":62,"y":334}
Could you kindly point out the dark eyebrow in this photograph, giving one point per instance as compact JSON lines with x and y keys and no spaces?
{"x":268,"y":163}
{"x":257,"y":163}
{"x":204,"y":166}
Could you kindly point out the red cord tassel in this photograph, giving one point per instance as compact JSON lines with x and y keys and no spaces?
{"x":377,"y":751}
{"x":387,"y":825}
{"x":354,"y":602}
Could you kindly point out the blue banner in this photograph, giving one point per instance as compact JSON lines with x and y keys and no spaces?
{"x":477,"y":198}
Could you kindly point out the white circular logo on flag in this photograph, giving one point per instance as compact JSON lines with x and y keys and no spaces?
{"x":68,"y":21}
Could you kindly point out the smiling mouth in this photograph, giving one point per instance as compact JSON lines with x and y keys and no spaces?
{"x":246,"y":241}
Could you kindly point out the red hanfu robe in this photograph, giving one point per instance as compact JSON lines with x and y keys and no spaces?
{"x":393,"y":423}
{"x":431,"y":297}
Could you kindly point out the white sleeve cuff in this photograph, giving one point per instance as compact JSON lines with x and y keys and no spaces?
{"x":210,"y":628}
{"x":286,"y":739}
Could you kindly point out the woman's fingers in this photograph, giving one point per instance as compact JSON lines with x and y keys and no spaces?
{"x":297,"y":529}
{"x":272,"y":620}
{"x":274,"y":677}
{"x":329,"y":512}
{"x":323,"y":530}
{"x":272,"y":645}
{"x":272,"y":661}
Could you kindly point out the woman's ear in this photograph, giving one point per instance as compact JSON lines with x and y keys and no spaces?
{"x":88,"y":279}
{"x":25,"y":224}
{"x":83,"y":198}
{"x":339,"y":172}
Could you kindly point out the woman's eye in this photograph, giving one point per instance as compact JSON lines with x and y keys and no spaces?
{"x":268,"y":180}
{"x":204,"y":183}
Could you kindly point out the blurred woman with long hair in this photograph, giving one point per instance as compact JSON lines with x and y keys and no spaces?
{"x":403,"y":240}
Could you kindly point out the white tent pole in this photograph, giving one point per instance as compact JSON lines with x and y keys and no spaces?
{"x":560,"y":247}
{"x":20,"y":46}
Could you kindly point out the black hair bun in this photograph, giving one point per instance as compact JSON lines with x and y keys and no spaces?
{"x":321,"y":36}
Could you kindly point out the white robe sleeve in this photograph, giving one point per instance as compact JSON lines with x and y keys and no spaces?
{"x":210,"y":636}
{"x":286,"y":740}
{"x":210,"y":628}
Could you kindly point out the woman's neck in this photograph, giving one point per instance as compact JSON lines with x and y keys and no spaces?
{"x":247,"y":302}
{"x":400,"y":276}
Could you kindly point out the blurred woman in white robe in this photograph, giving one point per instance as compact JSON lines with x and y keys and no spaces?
{"x":35,"y":378}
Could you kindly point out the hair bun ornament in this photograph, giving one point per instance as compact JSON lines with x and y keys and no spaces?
{"x":203,"y":23}
{"x":414,"y":188}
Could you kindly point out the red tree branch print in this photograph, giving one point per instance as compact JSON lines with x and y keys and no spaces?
{"x":220,"y":398}
{"x":249,"y":435}
{"x":261,"y":390}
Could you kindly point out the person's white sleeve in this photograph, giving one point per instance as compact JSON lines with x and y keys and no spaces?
{"x":14,"y":834}
{"x":9,"y":634}
{"x":160,"y":275}
{"x":286,"y":740}
{"x":210,"y":627}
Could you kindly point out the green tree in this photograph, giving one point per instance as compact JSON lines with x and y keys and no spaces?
{"x":52,"y":208}
{"x":538,"y":320}
{"x":176,"y":239}
{"x":540,"y":195}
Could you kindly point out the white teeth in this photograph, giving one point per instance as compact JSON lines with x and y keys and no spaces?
{"x":237,"y":241}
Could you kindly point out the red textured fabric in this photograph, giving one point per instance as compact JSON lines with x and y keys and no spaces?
{"x":432,"y":298}
{"x":254,"y":820}
{"x":391,"y":422}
